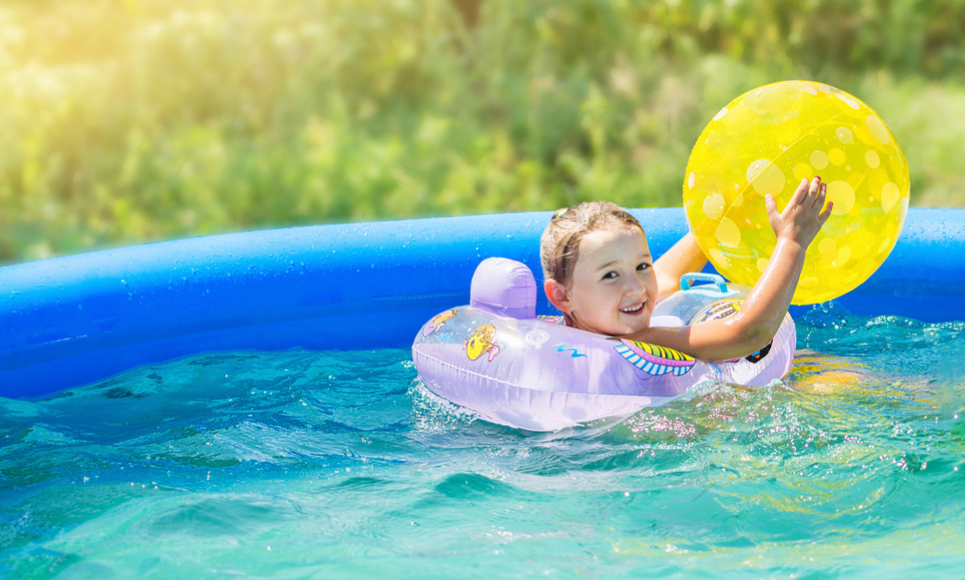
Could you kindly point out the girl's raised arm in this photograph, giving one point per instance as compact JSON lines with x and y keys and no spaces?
{"x":751,"y":328}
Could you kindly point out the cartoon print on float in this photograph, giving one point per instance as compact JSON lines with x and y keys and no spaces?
{"x":483,"y":340}
{"x":653,"y":359}
{"x":759,"y":355}
{"x":562,"y":348}
{"x":717,"y":311}
{"x":551,"y":319}
{"x":438,"y":322}
{"x":723,"y":309}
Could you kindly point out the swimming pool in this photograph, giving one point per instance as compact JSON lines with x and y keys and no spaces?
{"x":339,"y":465}
{"x":295,"y":460}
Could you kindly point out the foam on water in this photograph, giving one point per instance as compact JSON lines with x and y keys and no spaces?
{"x":306,"y":464}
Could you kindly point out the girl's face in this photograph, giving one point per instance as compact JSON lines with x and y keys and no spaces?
{"x":614,"y":288}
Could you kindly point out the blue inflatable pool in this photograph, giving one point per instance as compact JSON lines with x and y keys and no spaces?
{"x":69,"y":321}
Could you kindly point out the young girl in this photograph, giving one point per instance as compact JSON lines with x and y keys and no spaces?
{"x":600,"y":274}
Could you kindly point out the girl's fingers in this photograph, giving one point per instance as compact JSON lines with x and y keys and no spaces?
{"x":800,"y":193}
{"x":805,"y":190}
{"x":822,"y":194}
{"x":824,"y":215}
{"x":772,"y":214}
{"x":798,"y":197}
{"x":815,"y":186}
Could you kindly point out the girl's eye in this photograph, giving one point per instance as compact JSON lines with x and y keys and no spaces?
{"x":609,"y":275}
{"x":643,"y":266}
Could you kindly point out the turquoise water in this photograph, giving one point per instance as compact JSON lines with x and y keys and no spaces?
{"x":340,"y":465}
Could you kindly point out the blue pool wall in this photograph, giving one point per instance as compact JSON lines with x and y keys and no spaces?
{"x":69,"y":321}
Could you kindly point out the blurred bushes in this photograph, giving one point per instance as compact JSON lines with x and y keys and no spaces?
{"x":901,"y":36}
{"x":134,"y":120}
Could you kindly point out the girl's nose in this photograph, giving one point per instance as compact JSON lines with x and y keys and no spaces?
{"x":635,"y":286}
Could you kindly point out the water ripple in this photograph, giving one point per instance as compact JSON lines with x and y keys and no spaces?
{"x":343,"y":464}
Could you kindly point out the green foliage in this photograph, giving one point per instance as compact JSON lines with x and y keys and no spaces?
{"x":136,"y":120}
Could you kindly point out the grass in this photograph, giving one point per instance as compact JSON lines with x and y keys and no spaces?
{"x":137,"y":120}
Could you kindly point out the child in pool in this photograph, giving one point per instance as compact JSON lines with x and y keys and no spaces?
{"x":599,"y":273}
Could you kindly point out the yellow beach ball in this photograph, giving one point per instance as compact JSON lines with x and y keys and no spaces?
{"x":764,"y":142}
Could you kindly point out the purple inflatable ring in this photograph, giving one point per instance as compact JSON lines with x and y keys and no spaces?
{"x":497,"y":358}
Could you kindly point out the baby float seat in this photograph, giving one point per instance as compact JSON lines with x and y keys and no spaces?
{"x":497,"y":358}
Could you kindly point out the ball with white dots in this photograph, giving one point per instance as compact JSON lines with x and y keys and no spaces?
{"x":764,"y":143}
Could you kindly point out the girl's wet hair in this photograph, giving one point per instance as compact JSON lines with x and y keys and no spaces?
{"x":559,"y":247}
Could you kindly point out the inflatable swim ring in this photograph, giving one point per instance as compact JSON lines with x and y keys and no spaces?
{"x":497,"y":358}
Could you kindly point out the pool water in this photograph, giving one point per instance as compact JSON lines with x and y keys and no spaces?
{"x":341,"y":465}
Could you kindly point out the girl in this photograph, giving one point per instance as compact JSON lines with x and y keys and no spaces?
{"x":599,"y":273}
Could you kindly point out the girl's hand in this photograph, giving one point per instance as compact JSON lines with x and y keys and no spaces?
{"x":804,"y":215}
{"x":766,"y":305}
